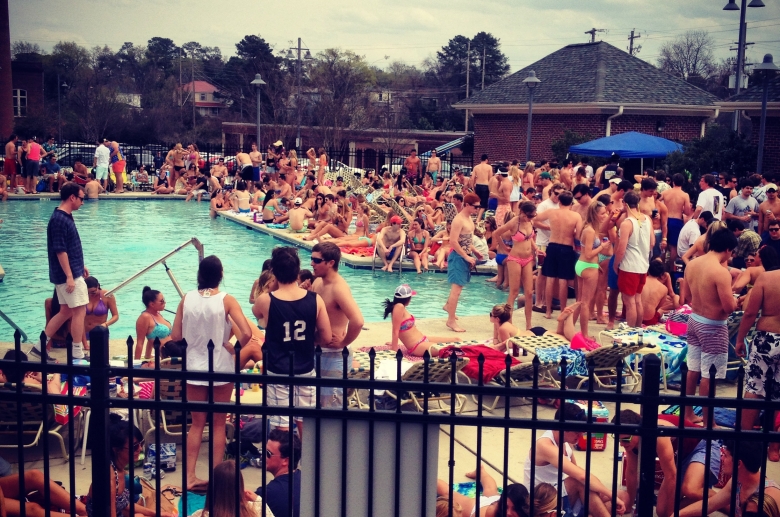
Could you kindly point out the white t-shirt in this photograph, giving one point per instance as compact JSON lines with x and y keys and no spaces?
{"x":543,"y":236}
{"x":688,"y":235}
{"x":712,"y":200}
{"x":103,"y":155}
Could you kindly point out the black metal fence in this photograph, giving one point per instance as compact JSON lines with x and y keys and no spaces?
{"x":326,"y":426}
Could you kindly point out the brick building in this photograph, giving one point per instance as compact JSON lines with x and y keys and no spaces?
{"x":592,"y":89}
{"x":27,"y":81}
{"x":749,"y":101}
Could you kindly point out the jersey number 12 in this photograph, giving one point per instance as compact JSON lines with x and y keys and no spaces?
{"x":298,"y":331}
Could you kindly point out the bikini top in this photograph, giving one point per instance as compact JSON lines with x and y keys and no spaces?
{"x":359,"y":223}
{"x":160,"y":330}
{"x":407,"y":324}
{"x":416,"y":240}
{"x":122,"y":499}
{"x":100,"y":309}
{"x":519,"y":236}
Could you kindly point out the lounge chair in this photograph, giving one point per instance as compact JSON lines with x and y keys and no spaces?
{"x":605,"y":360}
{"x":609,"y":336}
{"x":523,"y":375}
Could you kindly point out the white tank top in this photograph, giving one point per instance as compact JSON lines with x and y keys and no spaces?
{"x":637,"y":257}
{"x":204,"y":319}
{"x":546,"y":473}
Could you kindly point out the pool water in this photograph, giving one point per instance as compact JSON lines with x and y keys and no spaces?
{"x":121,"y":237}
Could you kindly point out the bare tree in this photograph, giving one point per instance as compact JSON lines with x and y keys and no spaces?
{"x":25,"y":47}
{"x":689,"y":56}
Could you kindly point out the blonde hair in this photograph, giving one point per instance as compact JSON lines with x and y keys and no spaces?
{"x":443,"y":507}
{"x":514,"y":171}
{"x":530,"y":167}
{"x":545,"y":499}
{"x":292,"y":154}
{"x":592,"y":217}
{"x":714,"y":227}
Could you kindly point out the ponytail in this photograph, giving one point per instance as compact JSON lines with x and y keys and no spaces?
{"x":390,"y":304}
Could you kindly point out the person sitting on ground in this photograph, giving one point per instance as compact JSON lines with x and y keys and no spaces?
{"x":361,"y":237}
{"x":749,"y":458}
{"x":240,"y":198}
{"x":201,"y":186}
{"x":223,"y":501}
{"x":389,"y":243}
{"x":270,"y":206}
{"x":97,"y":309}
{"x":182,"y":187}
{"x":335,"y":227}
{"x":34,"y":485}
{"x":93,"y":188}
{"x":658,"y":295}
{"x":515,"y":501}
{"x":298,"y":218}
{"x":125,"y":446}
{"x":53,"y":174}
{"x":13,"y":375}
{"x":413,"y":341}
{"x":503,"y":329}
{"x":418,"y":241}
{"x":547,"y":449}
{"x":150,"y":325}
{"x":440,"y":249}
{"x":282,"y":455}
{"x":217,"y":203}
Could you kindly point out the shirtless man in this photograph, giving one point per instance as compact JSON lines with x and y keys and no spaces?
{"x":346,"y":320}
{"x":567,"y":174}
{"x":257,"y":161}
{"x":284,"y":186}
{"x":769,"y":210}
{"x":10,"y":165}
{"x":219,"y":171}
{"x":656,"y":212}
{"x":461,"y":260}
{"x":709,"y":286}
{"x":298,"y":217}
{"x":480,"y":182}
{"x":93,"y":188}
{"x":413,"y":168}
{"x":389,"y":242}
{"x":176,"y":158}
{"x":582,"y":197}
{"x":560,"y":255}
{"x":546,"y":183}
{"x":503,"y":190}
{"x":678,"y":205}
{"x":658,"y":294}
{"x":80,"y":171}
{"x":434,"y":166}
{"x":244,"y":166}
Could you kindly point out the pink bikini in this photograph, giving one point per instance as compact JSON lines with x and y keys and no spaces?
{"x":520,"y":237}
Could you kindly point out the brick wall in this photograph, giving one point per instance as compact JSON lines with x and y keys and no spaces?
{"x":29,"y":76}
{"x":503,"y":137}
{"x":771,"y":142}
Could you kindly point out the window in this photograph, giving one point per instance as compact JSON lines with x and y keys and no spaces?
{"x":203,"y":96}
{"x":202,"y":111}
{"x":215,"y":111}
{"x":20,"y":103}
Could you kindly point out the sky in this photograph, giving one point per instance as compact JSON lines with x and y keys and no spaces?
{"x":402,"y":30}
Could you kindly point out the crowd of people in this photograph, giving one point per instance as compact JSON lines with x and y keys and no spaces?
{"x":554,"y":232}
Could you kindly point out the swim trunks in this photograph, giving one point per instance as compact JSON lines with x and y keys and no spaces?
{"x":484,"y":193}
{"x":458,"y":269}
{"x":631,"y":284}
{"x":492,"y":204}
{"x":708,"y":344}
{"x":559,"y":262}
{"x":500,"y":257}
{"x":612,"y":277}
{"x":764,"y":354}
{"x":673,"y":226}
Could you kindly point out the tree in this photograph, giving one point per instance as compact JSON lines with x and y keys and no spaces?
{"x":560,"y":147}
{"x":689,"y":57}
{"x":721,"y":149}
{"x":452,"y":59}
{"x":161,"y":52}
{"x":25,"y":47}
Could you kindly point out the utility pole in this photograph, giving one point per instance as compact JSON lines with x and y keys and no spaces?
{"x":298,"y":143}
{"x":181,"y":106}
{"x":468,"y":69}
{"x":631,"y":43}
{"x":483,"y":68}
{"x":593,"y":32}
{"x":192,"y":55}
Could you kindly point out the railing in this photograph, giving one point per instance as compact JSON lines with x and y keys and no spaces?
{"x":329,"y":430}
{"x":14,"y":326}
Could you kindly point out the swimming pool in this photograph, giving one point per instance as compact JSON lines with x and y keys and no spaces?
{"x":121,"y":237}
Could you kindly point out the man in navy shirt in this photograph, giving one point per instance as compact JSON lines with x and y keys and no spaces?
{"x":280,"y":456}
{"x":771,"y":237}
{"x":66,"y":270}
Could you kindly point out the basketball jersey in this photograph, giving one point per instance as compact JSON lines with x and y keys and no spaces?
{"x":291,"y":327}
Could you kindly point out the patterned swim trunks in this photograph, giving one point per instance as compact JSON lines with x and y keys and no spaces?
{"x":764,"y":355}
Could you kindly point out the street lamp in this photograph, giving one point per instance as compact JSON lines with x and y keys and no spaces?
{"x":257,"y":83}
{"x":531,"y":82}
{"x":307,"y":57}
{"x":768,"y":70}
{"x":60,"y":86}
{"x":732,"y":6}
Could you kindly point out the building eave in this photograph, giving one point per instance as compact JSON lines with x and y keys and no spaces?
{"x":593,"y":108}
{"x":753,"y":108}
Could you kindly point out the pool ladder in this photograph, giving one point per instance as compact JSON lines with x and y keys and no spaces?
{"x":14,"y":326}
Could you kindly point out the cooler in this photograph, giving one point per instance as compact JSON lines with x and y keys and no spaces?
{"x":598,"y":441}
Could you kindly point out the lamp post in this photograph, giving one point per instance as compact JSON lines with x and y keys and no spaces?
{"x":306,"y":56}
{"x":60,"y":86}
{"x":732,"y":6}
{"x":531,"y":82}
{"x":257,"y":83}
{"x":768,"y":70}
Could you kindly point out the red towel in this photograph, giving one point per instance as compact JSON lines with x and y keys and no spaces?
{"x":494,"y":360}
{"x":360,"y":252}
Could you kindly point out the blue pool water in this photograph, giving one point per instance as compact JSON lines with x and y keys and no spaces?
{"x":121,"y":237}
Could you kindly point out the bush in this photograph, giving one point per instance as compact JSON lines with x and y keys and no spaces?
{"x":721,"y":150}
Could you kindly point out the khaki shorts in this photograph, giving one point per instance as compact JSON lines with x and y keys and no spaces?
{"x":77,"y":298}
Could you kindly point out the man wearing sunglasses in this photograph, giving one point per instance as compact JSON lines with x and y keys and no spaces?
{"x":461,"y":260}
{"x":769,"y":210}
{"x":281,"y":456}
{"x":771,"y":237}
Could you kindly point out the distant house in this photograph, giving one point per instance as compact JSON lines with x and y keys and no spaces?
{"x":749,"y":102}
{"x":590,"y":88}
{"x":206,"y":103}
{"x":131,"y":99}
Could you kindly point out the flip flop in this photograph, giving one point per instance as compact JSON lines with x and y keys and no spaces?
{"x":542,"y":309}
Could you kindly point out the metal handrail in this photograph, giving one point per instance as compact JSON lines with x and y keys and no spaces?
{"x":194,"y":241}
{"x":14,"y":326}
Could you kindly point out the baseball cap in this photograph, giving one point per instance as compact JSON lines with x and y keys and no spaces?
{"x":278,"y":143}
{"x":298,"y":201}
{"x":396,"y":219}
{"x":545,"y":176}
{"x":616,"y":181}
{"x":404,"y":291}
{"x":770,"y":186}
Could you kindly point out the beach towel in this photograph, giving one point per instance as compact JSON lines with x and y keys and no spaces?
{"x":494,"y":361}
{"x":360,"y":252}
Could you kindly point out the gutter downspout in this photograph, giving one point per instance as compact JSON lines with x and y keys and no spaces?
{"x":609,"y":120}
{"x":704,"y":122}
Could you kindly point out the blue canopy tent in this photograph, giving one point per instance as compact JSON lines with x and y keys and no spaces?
{"x":628,"y":145}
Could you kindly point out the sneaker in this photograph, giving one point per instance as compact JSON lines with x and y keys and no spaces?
{"x":37,"y":356}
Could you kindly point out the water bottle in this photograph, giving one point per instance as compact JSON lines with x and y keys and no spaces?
{"x":641,"y":337}
{"x":147,"y":474}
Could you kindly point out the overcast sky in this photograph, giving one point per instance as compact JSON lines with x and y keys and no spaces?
{"x":405,"y":30}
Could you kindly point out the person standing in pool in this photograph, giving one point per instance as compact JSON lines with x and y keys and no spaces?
{"x":460,"y":260}
{"x":99,"y":305}
{"x":66,"y":270}
{"x":346,"y":320}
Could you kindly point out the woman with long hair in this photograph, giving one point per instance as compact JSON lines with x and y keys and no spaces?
{"x":222,"y":503}
{"x":413,"y":341}
{"x":587,"y":266}
{"x":264,"y":284}
{"x":521,"y":260}
{"x":608,"y":230}
{"x":516,"y":177}
{"x":513,"y":502}
{"x":268,"y":212}
{"x":528,"y":175}
{"x":98,"y":308}
{"x":240,"y":198}
{"x":418,"y":241}
{"x":361,"y":237}
{"x":151,"y":325}
{"x":311,"y":160}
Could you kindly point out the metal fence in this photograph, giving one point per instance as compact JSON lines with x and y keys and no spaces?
{"x":329,"y":430}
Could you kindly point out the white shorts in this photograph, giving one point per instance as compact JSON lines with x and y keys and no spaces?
{"x":699,"y":361}
{"x":77,"y":298}
{"x":279,"y":395}
{"x":101,"y":173}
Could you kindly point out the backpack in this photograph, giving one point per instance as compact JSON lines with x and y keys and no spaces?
{"x":41,"y":186}
{"x":677,"y":321}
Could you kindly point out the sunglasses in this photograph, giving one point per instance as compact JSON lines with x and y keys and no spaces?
{"x":774,"y":229}
{"x":269,"y":454}
{"x":137,"y":446}
{"x":317,"y":260}
{"x":476,"y":206}
{"x":556,"y":193}
{"x":577,"y":198}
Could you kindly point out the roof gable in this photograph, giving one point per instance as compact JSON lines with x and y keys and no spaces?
{"x":200,"y":87}
{"x":590,"y":73}
{"x":755,"y":93}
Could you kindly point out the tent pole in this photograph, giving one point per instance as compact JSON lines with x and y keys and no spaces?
{"x":641,"y":166}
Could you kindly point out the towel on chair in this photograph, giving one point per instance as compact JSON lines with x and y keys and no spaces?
{"x":494,"y":360}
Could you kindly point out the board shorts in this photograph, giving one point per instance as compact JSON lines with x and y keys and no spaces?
{"x":118,"y":167}
{"x":629,"y":283}
{"x":559,"y":261}
{"x":9,"y":167}
{"x":77,"y":298}
{"x":708,"y":344}
{"x":764,"y":354}
{"x":483,"y":191}
{"x":501,"y":212}
{"x":458,"y":269}
{"x":31,"y":169}
{"x":673,"y":226}
{"x":492,"y":204}
{"x":279,"y":395}
{"x":612,"y":277}
{"x":255,"y":173}
{"x":247,"y":173}
{"x":101,"y":173}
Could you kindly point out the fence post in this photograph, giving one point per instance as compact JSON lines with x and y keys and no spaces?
{"x":648,"y":430}
{"x":98,"y":433}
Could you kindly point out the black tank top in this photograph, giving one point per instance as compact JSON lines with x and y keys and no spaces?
{"x":291,"y":327}
{"x":609,"y":172}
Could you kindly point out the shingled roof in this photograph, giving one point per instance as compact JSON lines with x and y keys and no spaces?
{"x":593,"y":73}
{"x":755,"y":93}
